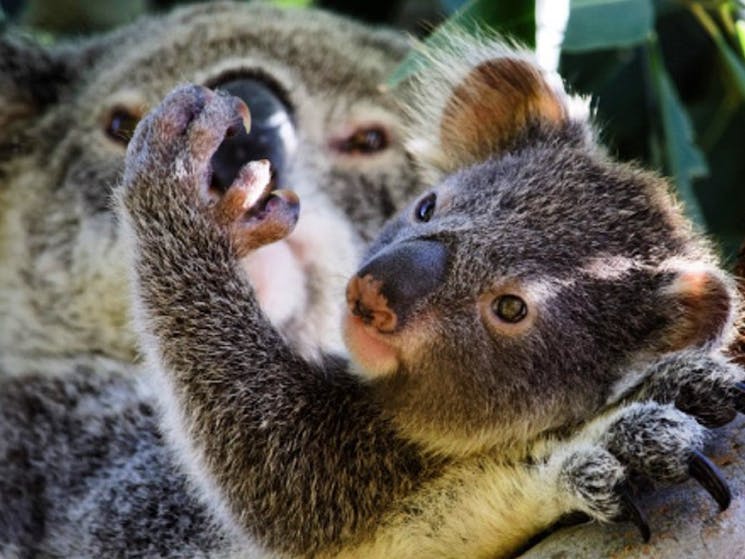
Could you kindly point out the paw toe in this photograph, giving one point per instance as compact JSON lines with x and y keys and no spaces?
{"x":178,"y":110}
{"x":222,"y":116}
{"x":592,"y":477}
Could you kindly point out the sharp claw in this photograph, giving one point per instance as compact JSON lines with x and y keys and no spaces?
{"x":708,"y":475}
{"x":739,"y":396}
{"x":635,"y":515}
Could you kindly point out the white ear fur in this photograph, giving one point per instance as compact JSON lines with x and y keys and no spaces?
{"x":707,"y":304}
{"x":474,"y":94}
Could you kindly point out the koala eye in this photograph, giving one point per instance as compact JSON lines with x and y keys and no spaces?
{"x":509,"y":308}
{"x":121,"y":125}
{"x":364,"y":141}
{"x":426,"y":208}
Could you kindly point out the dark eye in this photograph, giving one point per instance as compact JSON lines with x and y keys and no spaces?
{"x":509,"y":308}
{"x":426,"y":208}
{"x":364,"y":141}
{"x":121,"y":125}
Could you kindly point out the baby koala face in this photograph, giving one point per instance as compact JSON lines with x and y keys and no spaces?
{"x":516,"y":295}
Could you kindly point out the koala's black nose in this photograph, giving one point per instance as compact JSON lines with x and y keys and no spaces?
{"x":388,"y":286}
{"x":272,"y":133}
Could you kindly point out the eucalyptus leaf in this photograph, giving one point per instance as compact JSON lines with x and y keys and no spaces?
{"x":685,"y":160}
{"x":603,"y":24}
{"x":734,"y":64}
{"x":515,"y":19}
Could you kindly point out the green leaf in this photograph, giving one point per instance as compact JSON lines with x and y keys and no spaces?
{"x":684,"y":159}
{"x":740,"y":27}
{"x":735,"y":64}
{"x":603,"y":24}
{"x":515,"y":19}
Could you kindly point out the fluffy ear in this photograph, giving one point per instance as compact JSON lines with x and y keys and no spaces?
{"x":33,"y":77}
{"x":477,"y":96}
{"x":703,"y":303}
{"x":30,"y":78}
{"x":491,"y":106}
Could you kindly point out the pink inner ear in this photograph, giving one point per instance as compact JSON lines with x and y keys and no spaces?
{"x":705,"y":305}
{"x":492,"y":105}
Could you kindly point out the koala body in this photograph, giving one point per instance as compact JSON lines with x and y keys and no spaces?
{"x":497,"y":380}
{"x":66,"y":117}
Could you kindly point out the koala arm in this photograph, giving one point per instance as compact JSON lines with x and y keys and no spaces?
{"x":296,"y":454}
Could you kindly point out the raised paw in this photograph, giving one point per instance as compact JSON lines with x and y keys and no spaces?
{"x":253,"y":213}
{"x":704,"y":385}
{"x":168,"y":180}
{"x":175,"y":142}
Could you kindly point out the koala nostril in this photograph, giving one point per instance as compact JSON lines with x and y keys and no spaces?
{"x":366,"y":301}
{"x":272,"y":134}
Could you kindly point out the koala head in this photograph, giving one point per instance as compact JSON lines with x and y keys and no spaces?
{"x":517,"y":294}
{"x":311,"y":81}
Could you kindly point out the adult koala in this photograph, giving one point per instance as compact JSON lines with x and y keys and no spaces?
{"x":311,"y":81}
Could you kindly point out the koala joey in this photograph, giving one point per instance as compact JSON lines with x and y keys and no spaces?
{"x":540,"y":324}
{"x":67,"y":112}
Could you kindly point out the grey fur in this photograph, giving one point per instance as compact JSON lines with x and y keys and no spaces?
{"x":297,"y":457}
{"x":63,"y":276}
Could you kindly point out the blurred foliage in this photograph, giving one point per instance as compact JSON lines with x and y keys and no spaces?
{"x":515,"y":19}
{"x":669,"y":92}
{"x":666,"y":77}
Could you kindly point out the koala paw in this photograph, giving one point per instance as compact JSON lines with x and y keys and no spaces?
{"x":168,"y":173}
{"x":665,"y":445}
{"x":657,"y":442}
{"x":252,"y":212}
{"x":703,"y":385}
{"x":593,"y":476}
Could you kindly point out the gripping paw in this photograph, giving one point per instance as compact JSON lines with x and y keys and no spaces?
{"x":654,"y":441}
{"x":596,"y":482}
{"x":703,"y":385}
{"x":168,"y":173}
{"x":665,"y":445}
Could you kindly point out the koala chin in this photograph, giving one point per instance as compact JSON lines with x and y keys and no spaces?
{"x":311,"y":81}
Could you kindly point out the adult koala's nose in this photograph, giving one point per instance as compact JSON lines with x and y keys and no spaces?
{"x":272,"y":134}
{"x":387,"y":287}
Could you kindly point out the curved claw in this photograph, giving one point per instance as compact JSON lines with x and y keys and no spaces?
{"x":634,"y":514}
{"x":708,"y":475}
{"x":739,"y":396}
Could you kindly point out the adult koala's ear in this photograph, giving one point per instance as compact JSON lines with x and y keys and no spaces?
{"x":701,"y":304}
{"x":33,"y":77}
{"x":482,"y":96}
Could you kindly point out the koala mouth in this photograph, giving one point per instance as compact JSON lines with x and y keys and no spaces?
{"x":272,"y":134}
{"x":374,"y":351}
